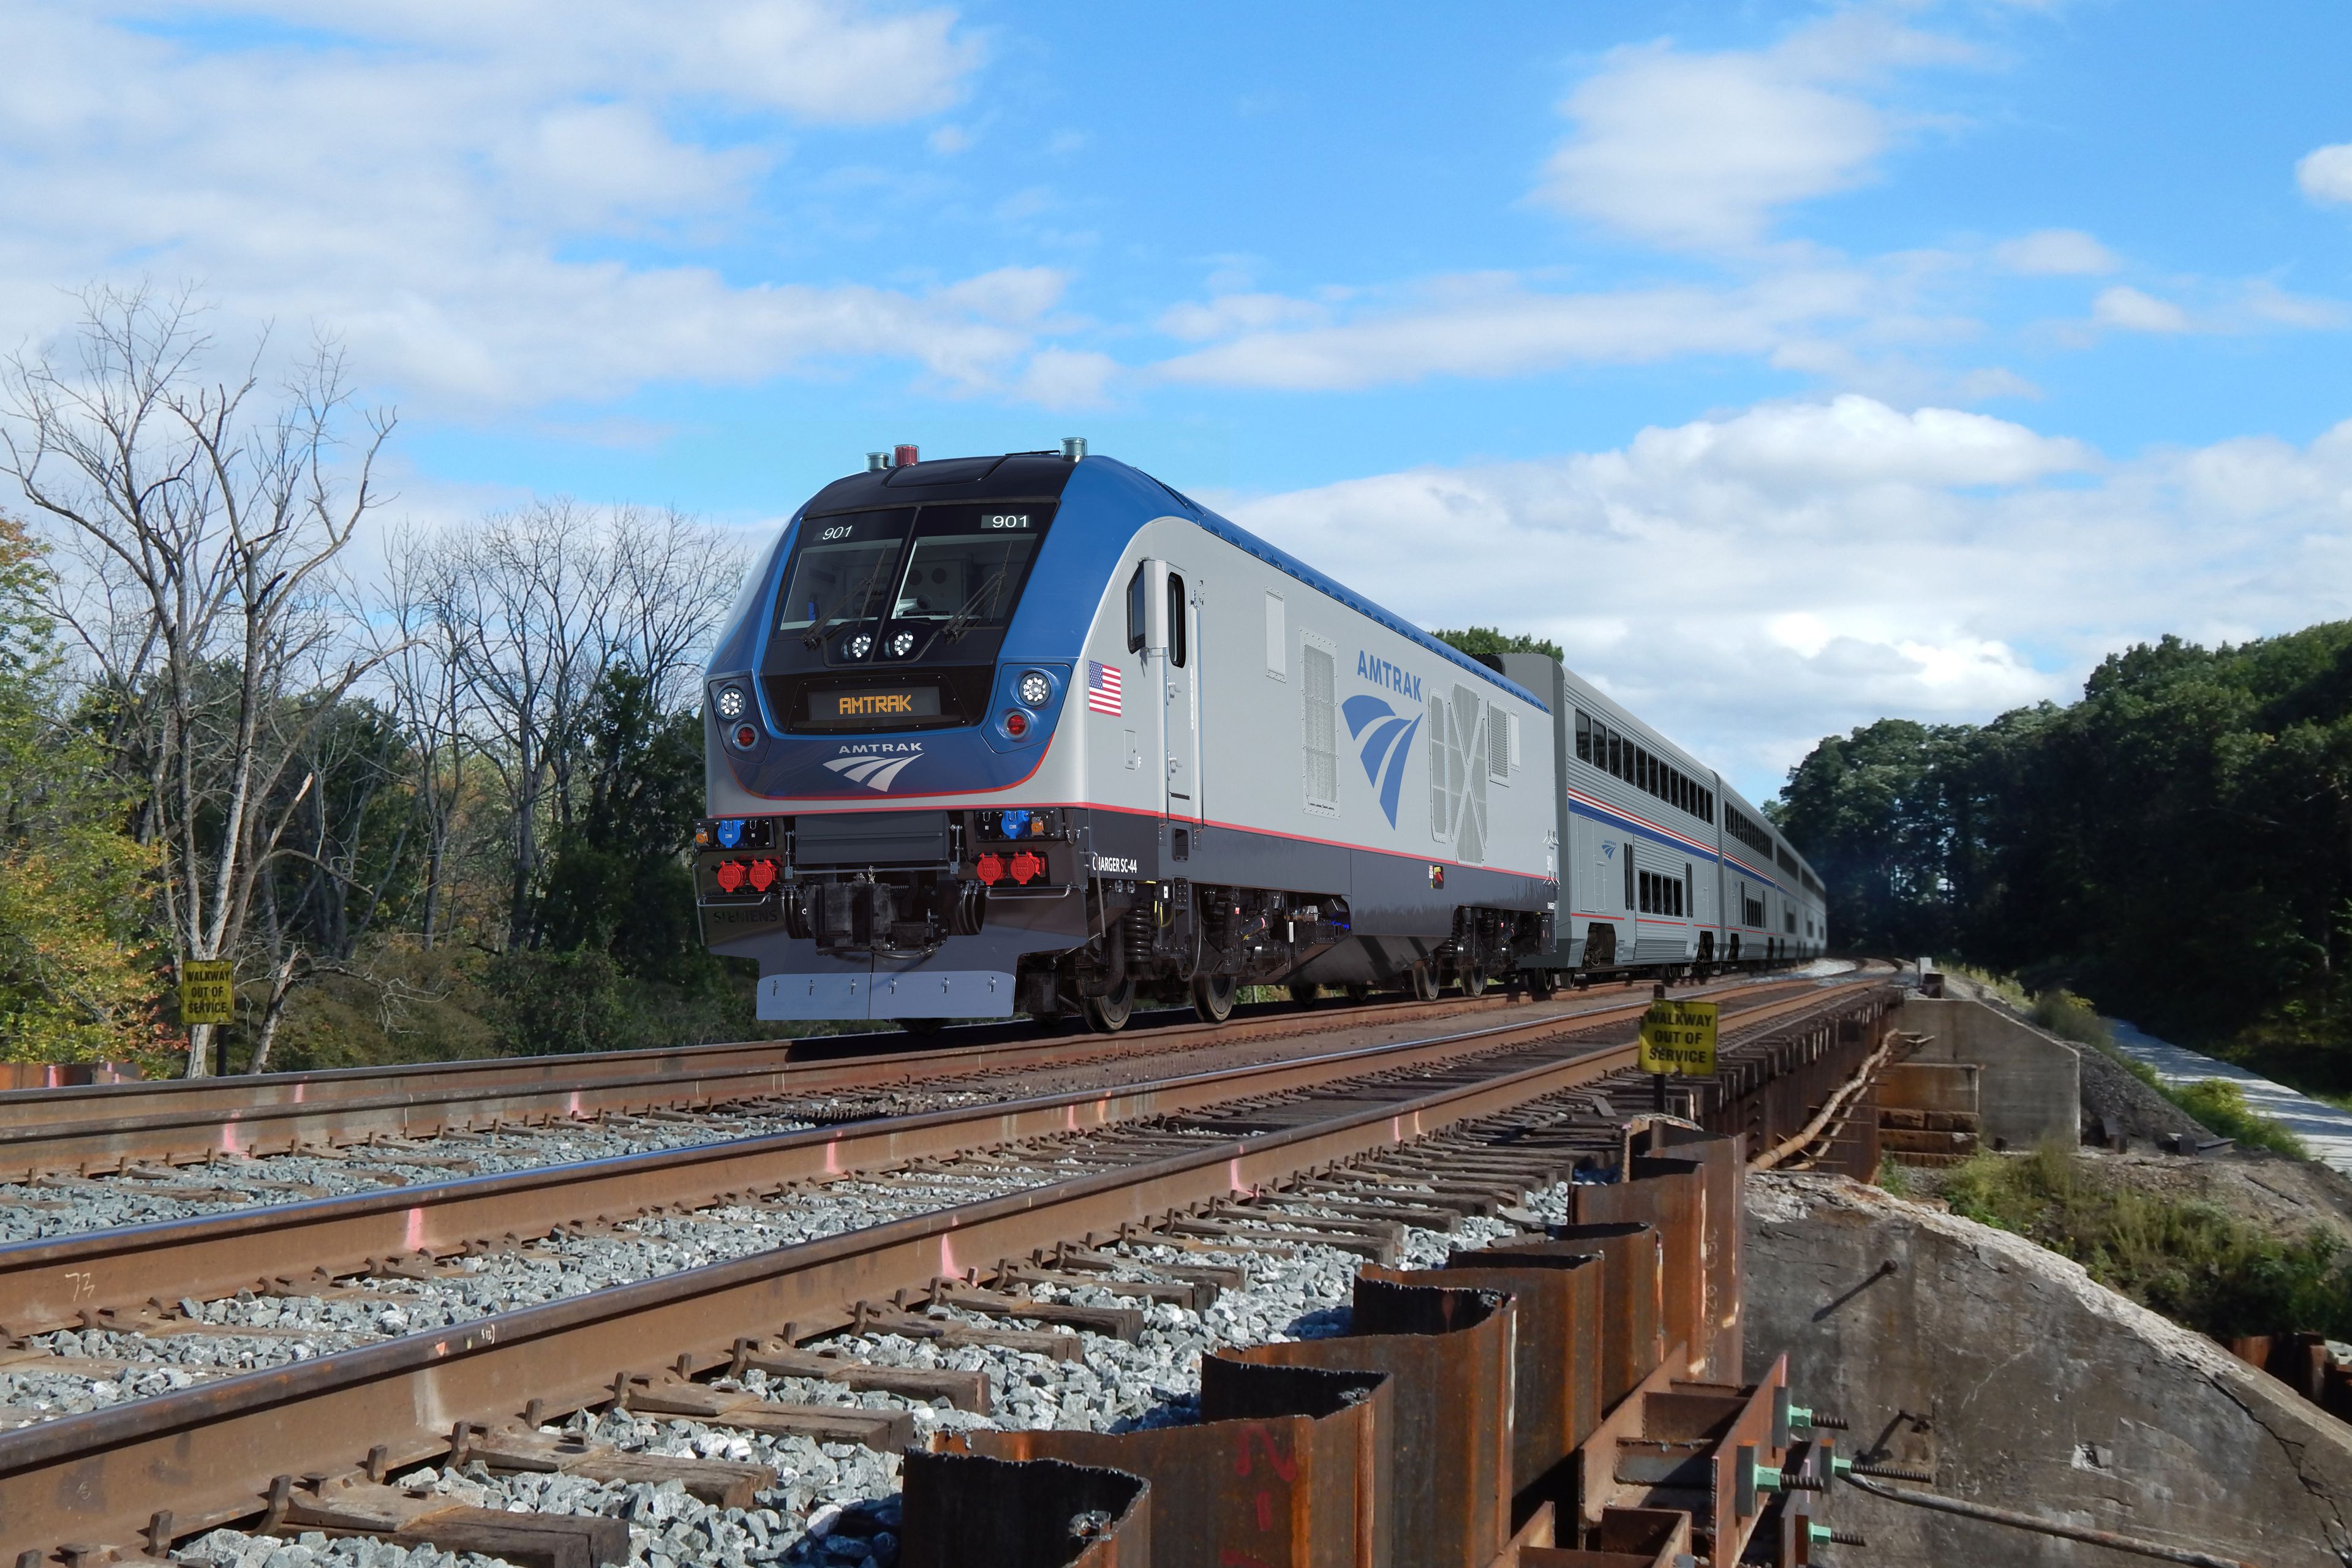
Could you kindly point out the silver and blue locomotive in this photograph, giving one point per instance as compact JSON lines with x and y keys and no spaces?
{"x":1037,"y":733}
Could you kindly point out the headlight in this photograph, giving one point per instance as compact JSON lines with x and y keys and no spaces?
{"x":1035,"y":690}
{"x":860,"y":646}
{"x":902,"y":645}
{"x":730,"y":703}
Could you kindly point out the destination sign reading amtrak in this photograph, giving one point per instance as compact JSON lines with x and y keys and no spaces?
{"x":863,"y":705}
{"x":1679,"y":1038}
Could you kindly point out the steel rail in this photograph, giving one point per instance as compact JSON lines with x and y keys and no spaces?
{"x":222,"y":1096}
{"x":427,"y":1109}
{"x":186,"y":1461}
{"x":64,"y":1281}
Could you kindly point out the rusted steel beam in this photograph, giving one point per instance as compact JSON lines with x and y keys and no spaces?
{"x":963,"y":1509}
{"x":1289,"y":1467}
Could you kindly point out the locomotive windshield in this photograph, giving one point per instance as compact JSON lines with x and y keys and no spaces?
{"x":841,"y":570}
{"x":870,"y":593}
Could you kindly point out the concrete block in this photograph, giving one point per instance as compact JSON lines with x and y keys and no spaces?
{"x":1916,"y":1085}
{"x":2030,"y":1091}
{"x":1908,"y":1121}
{"x":1897,"y":1140}
{"x":2002,"y":1368}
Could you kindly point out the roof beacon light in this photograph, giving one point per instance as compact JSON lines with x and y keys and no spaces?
{"x":875,"y":462}
{"x":904,"y":456}
{"x":1073,"y":448}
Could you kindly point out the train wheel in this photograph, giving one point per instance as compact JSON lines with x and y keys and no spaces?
{"x":1540,"y":983}
{"x":1108,"y":1014}
{"x":1305,"y":995}
{"x":1474,"y":980}
{"x":1212,"y":997}
{"x":1359,"y":993}
{"x":1422,"y":981}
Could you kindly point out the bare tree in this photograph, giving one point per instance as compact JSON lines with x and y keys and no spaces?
{"x":423,"y":646}
{"x":545,"y":598}
{"x":210,"y":530}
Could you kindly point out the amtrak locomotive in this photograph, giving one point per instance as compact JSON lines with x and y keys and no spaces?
{"x":1036,"y":733}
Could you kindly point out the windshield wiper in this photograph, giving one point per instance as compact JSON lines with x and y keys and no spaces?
{"x":817,"y":631}
{"x":961,"y":621}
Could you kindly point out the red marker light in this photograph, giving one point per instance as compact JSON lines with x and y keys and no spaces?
{"x":1027,"y":867}
{"x":764,"y":875}
{"x":730,"y":875}
{"x":990,"y":871}
{"x":745,"y":735}
{"x":1016,"y":722}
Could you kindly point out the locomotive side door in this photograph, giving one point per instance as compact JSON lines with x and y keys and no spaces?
{"x":1183,"y":687}
{"x":1172,"y":660}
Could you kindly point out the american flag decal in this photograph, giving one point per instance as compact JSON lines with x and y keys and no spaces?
{"x":1102,"y":689}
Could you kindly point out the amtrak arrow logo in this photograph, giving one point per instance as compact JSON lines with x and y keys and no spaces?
{"x":1384,"y":748}
{"x":874,"y":773}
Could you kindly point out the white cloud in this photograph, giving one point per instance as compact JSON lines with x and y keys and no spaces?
{"x":1490,"y":326}
{"x":455,"y":189}
{"x":2056,"y":253}
{"x":2128,"y":308}
{"x":1230,"y":313}
{"x":2266,"y":302}
{"x":1754,"y":581}
{"x":2326,"y":174}
{"x":1068,"y":378}
{"x":1698,"y":151}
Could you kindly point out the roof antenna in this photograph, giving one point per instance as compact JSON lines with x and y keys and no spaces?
{"x":1073,"y":448}
{"x":875,"y":462}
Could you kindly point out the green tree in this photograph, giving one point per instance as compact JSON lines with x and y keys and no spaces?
{"x":80,"y":963}
{"x":618,"y":880}
{"x":2178,"y":842}
{"x":1476,"y":640}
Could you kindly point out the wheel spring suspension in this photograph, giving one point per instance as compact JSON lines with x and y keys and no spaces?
{"x":1138,"y":932}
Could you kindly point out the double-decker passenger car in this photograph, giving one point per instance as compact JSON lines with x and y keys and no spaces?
{"x":1038,"y":733}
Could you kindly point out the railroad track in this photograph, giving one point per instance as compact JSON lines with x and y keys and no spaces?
{"x":1229,"y":1165}
{"x":115,"y":1279}
{"x":97,"y":1129}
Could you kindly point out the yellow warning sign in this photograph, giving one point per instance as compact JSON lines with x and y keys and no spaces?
{"x":207,"y":992}
{"x":1679,"y":1038}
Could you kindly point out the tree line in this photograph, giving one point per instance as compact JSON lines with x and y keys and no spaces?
{"x":427,"y":789}
{"x":2176,"y":844}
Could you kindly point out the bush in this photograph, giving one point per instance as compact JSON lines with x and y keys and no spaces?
{"x":2221,"y":1106}
{"x":2069,"y":1017}
{"x":2194,"y":1262}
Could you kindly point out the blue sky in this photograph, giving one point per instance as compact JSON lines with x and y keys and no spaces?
{"x":1792,"y":365}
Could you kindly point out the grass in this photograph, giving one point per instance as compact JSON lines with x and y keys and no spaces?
{"x":2221,"y":1106}
{"x":2192,"y":1261}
